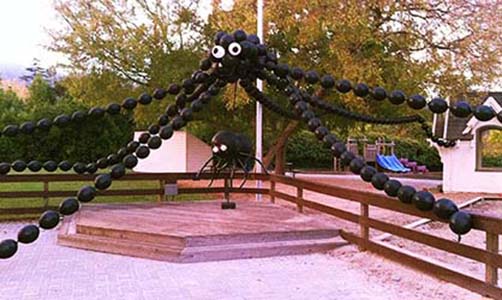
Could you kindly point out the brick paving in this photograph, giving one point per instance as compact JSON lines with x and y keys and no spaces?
{"x":45,"y":270}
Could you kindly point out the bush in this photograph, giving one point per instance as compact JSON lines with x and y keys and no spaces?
{"x":305,"y":151}
{"x":83,"y":142}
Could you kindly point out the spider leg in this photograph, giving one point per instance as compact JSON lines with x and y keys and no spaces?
{"x":197,"y":176}
{"x":246,"y":173}
{"x":255,"y":159}
{"x":217,"y":169}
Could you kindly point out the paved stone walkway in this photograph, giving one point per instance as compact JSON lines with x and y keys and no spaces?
{"x":45,"y":270}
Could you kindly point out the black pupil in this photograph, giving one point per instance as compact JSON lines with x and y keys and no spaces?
{"x":235,"y":49}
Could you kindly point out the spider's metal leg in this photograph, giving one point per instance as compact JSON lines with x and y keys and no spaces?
{"x":197,"y":176}
{"x":218,"y":168}
{"x":246,"y":173}
{"x":255,"y":159}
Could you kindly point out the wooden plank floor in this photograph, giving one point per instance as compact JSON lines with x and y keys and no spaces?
{"x":197,"y":231}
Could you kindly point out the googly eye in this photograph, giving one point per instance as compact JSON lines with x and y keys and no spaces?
{"x":223,"y":148}
{"x":218,"y":52}
{"x":234,"y":49}
{"x":215,"y":149}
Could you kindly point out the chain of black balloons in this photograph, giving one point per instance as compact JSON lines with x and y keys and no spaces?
{"x":247,"y":58}
{"x":460,"y":221}
{"x":209,"y":87}
{"x":460,"y":109}
{"x":318,"y":102}
{"x":128,"y":104}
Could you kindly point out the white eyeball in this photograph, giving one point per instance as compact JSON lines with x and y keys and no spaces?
{"x":218,"y":52}
{"x":215,"y":149}
{"x":223,"y":148}
{"x":234,"y":49}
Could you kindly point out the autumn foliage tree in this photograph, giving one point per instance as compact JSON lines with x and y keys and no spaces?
{"x":444,"y":47}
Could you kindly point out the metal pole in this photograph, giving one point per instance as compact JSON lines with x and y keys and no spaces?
{"x":259,"y":109}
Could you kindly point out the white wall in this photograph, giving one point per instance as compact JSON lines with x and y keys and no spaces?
{"x":459,"y":171}
{"x":170,"y":157}
{"x":459,"y":163}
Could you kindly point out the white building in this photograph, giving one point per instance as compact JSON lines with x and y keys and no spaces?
{"x":181,"y":153}
{"x":466,"y":167}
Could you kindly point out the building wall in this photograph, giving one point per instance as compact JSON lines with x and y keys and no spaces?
{"x":460,"y":174}
{"x":170,"y":157}
{"x":198,"y":153}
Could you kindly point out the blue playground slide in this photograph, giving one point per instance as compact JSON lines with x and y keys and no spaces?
{"x":391,"y":163}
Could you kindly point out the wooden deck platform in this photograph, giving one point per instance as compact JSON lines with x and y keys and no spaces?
{"x":197,"y":231}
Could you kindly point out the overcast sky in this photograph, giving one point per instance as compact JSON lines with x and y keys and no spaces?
{"x":23,"y":34}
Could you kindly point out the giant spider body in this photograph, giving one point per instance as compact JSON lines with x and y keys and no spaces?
{"x":242,"y":58}
{"x":230,"y":152}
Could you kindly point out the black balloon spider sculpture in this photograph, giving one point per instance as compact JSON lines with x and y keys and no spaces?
{"x":242,"y":58}
{"x":230,"y":152}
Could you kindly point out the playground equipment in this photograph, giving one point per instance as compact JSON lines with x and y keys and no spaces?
{"x":381,"y":153}
{"x":242,"y":58}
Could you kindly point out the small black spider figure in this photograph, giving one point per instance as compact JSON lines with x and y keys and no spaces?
{"x":230,"y":151}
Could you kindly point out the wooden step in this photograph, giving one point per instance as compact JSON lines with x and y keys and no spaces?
{"x":257,"y":250}
{"x":119,"y":246}
{"x":205,"y":240}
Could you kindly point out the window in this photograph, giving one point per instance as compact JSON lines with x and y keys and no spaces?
{"x":489,"y":149}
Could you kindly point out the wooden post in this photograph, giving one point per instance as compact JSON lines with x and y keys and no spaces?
{"x":272,"y":191}
{"x":299,"y":199}
{"x":492,"y":245}
{"x":363,"y":225}
{"x":161,"y":197}
{"x":46,"y":190}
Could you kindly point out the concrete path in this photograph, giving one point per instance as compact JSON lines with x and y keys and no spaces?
{"x":44,"y":270}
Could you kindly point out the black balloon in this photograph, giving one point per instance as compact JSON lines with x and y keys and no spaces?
{"x":391,"y":187}
{"x":405,"y":193}
{"x":118,"y":171}
{"x":367,"y":173}
{"x":378,"y":180}
{"x":8,"y":248}
{"x":444,"y":208}
{"x":49,"y":219}
{"x":461,"y":222}
{"x":423,"y":200}
{"x":103,"y":181}
{"x":86,"y":194}
{"x":69,"y":206}
{"x":28,"y":234}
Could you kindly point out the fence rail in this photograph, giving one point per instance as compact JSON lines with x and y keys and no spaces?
{"x":163,"y":178}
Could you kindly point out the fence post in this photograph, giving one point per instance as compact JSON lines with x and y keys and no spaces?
{"x":492,"y":245}
{"x":363,"y":225}
{"x":272,"y":190}
{"x":299,"y":199}
{"x":161,"y":197}
{"x":46,"y":190}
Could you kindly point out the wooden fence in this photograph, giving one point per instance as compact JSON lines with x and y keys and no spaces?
{"x":162,"y":178}
{"x":490,"y":225}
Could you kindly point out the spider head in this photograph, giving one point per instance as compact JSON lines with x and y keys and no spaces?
{"x":234,"y":55}
{"x":224,"y":144}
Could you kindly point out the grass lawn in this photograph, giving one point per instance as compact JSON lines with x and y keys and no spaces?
{"x":75,"y":186}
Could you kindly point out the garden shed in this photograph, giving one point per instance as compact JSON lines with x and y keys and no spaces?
{"x":474,"y":164}
{"x":181,"y":153}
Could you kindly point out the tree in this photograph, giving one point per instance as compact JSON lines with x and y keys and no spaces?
{"x":124,"y":48}
{"x":445,"y":46}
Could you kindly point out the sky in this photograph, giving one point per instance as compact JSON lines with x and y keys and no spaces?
{"x":23,"y":32}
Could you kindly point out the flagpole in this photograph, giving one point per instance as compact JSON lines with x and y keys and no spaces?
{"x":259,"y":108}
